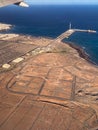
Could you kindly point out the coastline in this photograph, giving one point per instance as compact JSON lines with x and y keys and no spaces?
{"x":5,"y":27}
{"x":46,"y":83}
{"x":48,"y":40}
{"x":6,"y":36}
{"x":80,"y":51}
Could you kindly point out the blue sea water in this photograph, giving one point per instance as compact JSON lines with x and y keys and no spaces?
{"x":52,"y":20}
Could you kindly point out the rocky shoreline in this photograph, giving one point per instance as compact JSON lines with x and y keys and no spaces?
{"x":81,"y":52}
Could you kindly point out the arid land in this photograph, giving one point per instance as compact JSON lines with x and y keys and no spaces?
{"x":50,"y":88}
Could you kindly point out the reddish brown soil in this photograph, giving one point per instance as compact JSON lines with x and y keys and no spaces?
{"x":50,"y":91}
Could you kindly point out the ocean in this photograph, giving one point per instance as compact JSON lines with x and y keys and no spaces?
{"x":52,"y":20}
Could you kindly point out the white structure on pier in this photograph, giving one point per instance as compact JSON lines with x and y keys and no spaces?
{"x":70,"y":26}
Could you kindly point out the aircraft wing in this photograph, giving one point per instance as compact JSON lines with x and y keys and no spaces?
{"x":8,"y":2}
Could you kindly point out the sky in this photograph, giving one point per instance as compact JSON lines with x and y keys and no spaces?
{"x":62,"y":1}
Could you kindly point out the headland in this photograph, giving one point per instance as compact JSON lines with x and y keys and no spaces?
{"x":5,"y":26}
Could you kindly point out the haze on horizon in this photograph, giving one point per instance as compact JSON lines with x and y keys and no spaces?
{"x":46,"y":2}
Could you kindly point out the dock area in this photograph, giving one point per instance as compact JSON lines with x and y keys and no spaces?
{"x":66,"y":34}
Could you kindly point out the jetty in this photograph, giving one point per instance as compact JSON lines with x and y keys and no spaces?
{"x":70,"y":31}
{"x":81,"y":30}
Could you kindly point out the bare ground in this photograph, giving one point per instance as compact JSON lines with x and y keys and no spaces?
{"x":53,"y":90}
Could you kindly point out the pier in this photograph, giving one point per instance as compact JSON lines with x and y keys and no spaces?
{"x":66,"y":34}
{"x":70,"y":31}
{"x":81,"y":30}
